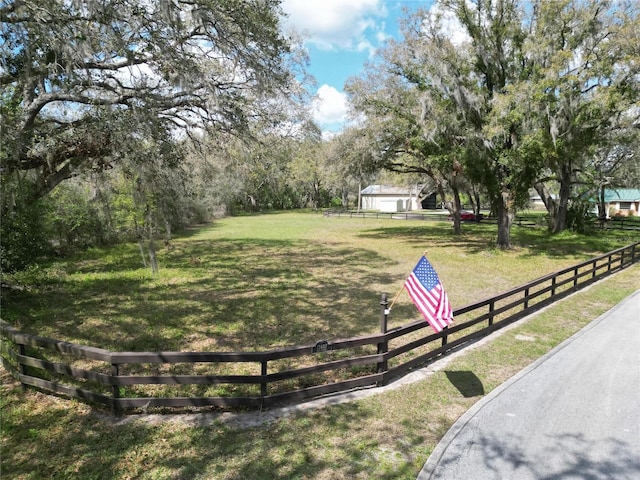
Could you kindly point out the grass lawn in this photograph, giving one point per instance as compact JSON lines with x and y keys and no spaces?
{"x":253,"y":283}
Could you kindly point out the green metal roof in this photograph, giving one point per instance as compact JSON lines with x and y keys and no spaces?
{"x":622,"y":194}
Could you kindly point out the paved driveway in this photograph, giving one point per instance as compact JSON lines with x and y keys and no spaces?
{"x":573,"y":414}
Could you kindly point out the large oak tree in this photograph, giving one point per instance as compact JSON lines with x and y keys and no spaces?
{"x":83,"y":82}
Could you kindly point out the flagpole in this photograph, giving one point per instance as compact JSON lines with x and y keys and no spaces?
{"x":396,"y":298}
{"x":424,"y":254}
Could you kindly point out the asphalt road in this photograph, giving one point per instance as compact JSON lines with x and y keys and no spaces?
{"x":573,"y":414}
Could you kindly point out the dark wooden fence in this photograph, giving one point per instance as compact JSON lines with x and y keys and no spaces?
{"x":118,"y":379}
{"x":523,"y":220}
{"x":619,"y":223}
{"x":520,"y":220}
{"x":436,"y":217}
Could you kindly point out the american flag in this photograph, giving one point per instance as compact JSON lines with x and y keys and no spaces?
{"x":427,"y":293}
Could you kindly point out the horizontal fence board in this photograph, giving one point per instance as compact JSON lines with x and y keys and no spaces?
{"x":69,"y":391}
{"x":340,"y":344}
{"x":405,"y":330}
{"x":323,"y":367}
{"x":63,"y":369}
{"x":221,"y":357}
{"x":127,"y":380}
{"x":175,"y":402}
{"x":316,"y":391}
{"x":407,"y":347}
{"x":118,"y":358}
{"x":416,"y":362}
{"x":80,"y":351}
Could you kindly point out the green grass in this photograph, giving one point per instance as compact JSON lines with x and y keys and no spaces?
{"x":263,"y":281}
{"x":259,"y":282}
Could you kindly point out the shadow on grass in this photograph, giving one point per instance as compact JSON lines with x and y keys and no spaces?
{"x":472,"y":240}
{"x":478,"y":238}
{"x":244,"y":294}
{"x":467,"y":383}
{"x":59,"y":442}
{"x":222,"y":295}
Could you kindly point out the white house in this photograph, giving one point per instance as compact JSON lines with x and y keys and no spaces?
{"x":386,"y":198}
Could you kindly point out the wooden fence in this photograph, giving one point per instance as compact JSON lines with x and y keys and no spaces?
{"x":524,"y":220}
{"x":107,"y":377}
{"x":520,"y":220}
{"x":436,"y":217}
{"x":619,"y":223}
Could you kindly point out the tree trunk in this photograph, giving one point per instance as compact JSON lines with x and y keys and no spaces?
{"x":474,"y":197}
{"x":602,"y":206}
{"x":152,"y":257}
{"x":560,"y":222}
{"x":456,"y":207}
{"x":549,"y":202}
{"x":167,"y":230}
{"x":505,"y":219}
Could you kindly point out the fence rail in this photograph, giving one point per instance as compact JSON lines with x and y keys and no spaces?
{"x":523,"y":220}
{"x":619,"y":223}
{"x":369,"y":360}
{"x":436,"y":217}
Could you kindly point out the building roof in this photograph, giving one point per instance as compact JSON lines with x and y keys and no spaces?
{"x":389,"y":190}
{"x":622,"y":194}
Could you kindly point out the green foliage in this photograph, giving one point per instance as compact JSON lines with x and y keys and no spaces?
{"x":23,"y":231}
{"x":59,"y":120}
{"x":73,"y":218}
{"x":528,"y":96}
{"x":579,"y":217}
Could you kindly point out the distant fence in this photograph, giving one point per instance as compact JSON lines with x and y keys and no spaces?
{"x":619,"y":223}
{"x":107,"y":377}
{"x":521,"y":220}
{"x":436,"y":217}
{"x":524,"y":220}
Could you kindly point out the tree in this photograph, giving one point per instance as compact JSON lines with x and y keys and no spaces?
{"x":440,"y":100}
{"x":582,"y":85}
{"x":80,"y":79}
{"x":524,"y":93}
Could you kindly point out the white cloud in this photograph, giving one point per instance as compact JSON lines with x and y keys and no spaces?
{"x":451,"y":26}
{"x":333,"y":24}
{"x":329,"y":106}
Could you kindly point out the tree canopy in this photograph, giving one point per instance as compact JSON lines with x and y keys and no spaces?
{"x":507,"y":94}
{"x":83,"y":82}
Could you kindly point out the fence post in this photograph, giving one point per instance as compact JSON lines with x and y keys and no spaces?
{"x":492,"y":307}
{"x":553,"y":286}
{"x":115,"y":389}
{"x":22,"y":368}
{"x":383,"y":346}
{"x":263,"y":383}
{"x":575,"y":277}
{"x":526,"y":298}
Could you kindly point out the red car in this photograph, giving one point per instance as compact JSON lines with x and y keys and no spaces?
{"x":467,"y":216}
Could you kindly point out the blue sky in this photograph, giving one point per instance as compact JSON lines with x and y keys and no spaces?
{"x":340,"y":36}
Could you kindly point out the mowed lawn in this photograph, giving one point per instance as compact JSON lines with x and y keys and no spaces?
{"x":259,"y":282}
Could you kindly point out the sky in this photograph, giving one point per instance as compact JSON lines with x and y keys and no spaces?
{"x":340,"y":36}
